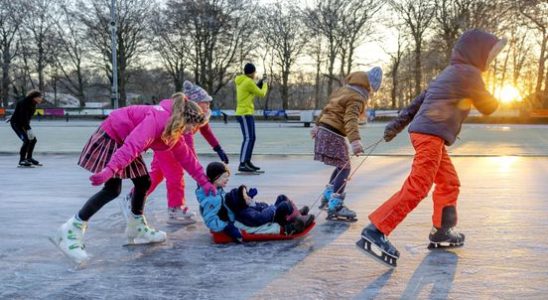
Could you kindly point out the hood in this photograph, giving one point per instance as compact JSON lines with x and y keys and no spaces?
{"x":240,"y":79}
{"x":235,"y":200}
{"x":167,"y":105}
{"x":359,"y":79}
{"x":474,"y":48}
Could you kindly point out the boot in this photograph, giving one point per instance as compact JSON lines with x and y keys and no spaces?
{"x":337,"y":211}
{"x":138,"y":232}
{"x":69,"y":238}
{"x":326,"y":195}
{"x":244,"y":167}
{"x":446,"y":236}
{"x":180,"y":216}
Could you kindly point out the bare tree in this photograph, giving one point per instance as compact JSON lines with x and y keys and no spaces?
{"x":11,"y":18}
{"x":324,"y":19}
{"x":535,"y":12}
{"x":220,"y":30}
{"x":395,"y":61}
{"x":452,"y":18}
{"x":69,"y":62}
{"x":284,"y":34}
{"x":42,"y":41}
{"x":133,"y":18}
{"x":416,"y":15}
{"x":355,"y":26}
{"x":172,"y":41}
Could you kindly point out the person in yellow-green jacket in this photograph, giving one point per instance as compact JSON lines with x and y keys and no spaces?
{"x":246,"y":90}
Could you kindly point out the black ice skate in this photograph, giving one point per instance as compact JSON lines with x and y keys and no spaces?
{"x":375,"y":244}
{"x":445,"y":238}
{"x":25,"y":164}
{"x":246,"y":169}
{"x":34,"y":162}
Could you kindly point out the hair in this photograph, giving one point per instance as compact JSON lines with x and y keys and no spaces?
{"x":182,"y":112}
{"x":33,"y":94}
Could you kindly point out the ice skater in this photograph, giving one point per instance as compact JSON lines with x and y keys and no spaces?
{"x":114,"y":152}
{"x":164,"y":163}
{"x":20,"y":123}
{"x":339,"y":121}
{"x":246,"y":90}
{"x":436,"y":118}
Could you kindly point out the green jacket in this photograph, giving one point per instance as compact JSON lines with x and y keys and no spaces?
{"x":246,"y":90}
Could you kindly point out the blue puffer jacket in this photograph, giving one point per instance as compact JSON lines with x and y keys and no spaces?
{"x":215,"y":213}
{"x":258,"y":214}
{"x":442,"y":108}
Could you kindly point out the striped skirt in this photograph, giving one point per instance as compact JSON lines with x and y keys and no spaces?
{"x":331,"y":148}
{"x":98,"y":151}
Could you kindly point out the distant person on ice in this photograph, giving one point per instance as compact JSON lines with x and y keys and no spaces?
{"x":337,"y":123}
{"x":246,"y":90}
{"x":114,"y":152}
{"x":435,"y":118}
{"x":20,"y":123}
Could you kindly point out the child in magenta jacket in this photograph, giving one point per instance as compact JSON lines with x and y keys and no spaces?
{"x":164,"y":163}
{"x":114,"y":152}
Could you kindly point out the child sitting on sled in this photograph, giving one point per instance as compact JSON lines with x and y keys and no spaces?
{"x":254,"y":214}
{"x":217,"y":217}
{"x":227,"y":212}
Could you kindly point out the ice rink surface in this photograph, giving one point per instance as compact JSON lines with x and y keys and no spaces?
{"x":503,"y":211}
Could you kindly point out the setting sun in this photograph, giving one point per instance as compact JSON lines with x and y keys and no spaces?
{"x":508,"y":94}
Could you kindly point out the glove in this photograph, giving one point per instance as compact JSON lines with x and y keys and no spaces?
{"x":233,"y":232}
{"x":101,"y":177}
{"x":30,"y":135}
{"x":357,"y":147}
{"x":209,"y":188}
{"x":252,"y":192}
{"x":221,"y":153}
{"x":389,"y":134}
{"x":314,"y":131}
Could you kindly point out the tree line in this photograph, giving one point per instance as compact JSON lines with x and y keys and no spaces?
{"x":306,"y":50}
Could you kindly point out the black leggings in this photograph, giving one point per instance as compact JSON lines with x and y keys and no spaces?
{"x":28,"y":145}
{"x":110,"y":191}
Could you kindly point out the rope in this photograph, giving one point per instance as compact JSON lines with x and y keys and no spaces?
{"x":372,"y":147}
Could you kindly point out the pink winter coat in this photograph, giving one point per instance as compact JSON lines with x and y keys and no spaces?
{"x":139,"y":128}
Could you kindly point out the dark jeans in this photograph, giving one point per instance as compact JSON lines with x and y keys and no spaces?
{"x":247,"y":125}
{"x":110,"y":191}
{"x":28,"y":145}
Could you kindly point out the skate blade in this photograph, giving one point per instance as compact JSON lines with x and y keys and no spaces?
{"x":248,"y":173}
{"x":25,"y":167}
{"x":139,"y":243}
{"x":76,"y":263}
{"x":341,"y":219}
{"x":444,"y":245}
{"x":379,"y":255}
{"x":182,"y":223}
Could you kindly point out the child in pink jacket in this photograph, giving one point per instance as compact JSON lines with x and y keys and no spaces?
{"x":164,"y":163}
{"x":114,"y":152}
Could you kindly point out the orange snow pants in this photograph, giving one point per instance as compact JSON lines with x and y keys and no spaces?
{"x":430,"y":165}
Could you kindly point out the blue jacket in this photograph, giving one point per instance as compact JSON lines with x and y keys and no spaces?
{"x":253,"y":216}
{"x":441,"y":109}
{"x":213,"y":210}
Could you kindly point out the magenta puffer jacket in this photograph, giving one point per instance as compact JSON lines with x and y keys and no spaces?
{"x":139,"y":128}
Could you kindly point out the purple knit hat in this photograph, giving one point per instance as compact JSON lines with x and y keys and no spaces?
{"x":195,"y":93}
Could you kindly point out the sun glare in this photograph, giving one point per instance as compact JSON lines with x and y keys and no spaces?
{"x":508,"y":94}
